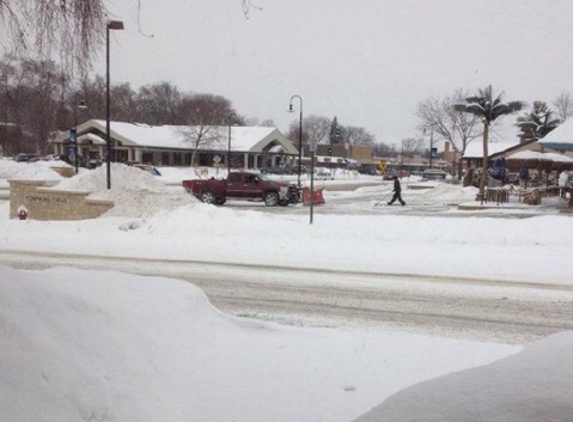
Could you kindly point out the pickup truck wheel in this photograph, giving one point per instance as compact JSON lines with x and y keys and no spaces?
{"x":271,"y":199}
{"x":207,"y":197}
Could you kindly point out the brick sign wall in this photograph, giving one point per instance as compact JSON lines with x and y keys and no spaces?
{"x":48,"y":204}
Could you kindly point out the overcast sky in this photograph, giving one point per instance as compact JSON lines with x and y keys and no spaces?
{"x":368,"y":62}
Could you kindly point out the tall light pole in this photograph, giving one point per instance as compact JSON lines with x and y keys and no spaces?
{"x":80,"y":106}
{"x":431,"y":147}
{"x":110,"y":26}
{"x":402,"y":161}
{"x":231,"y":116}
{"x":290,"y":109}
{"x":5,"y":136}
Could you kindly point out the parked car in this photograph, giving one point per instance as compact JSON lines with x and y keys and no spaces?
{"x":26,"y":158}
{"x":371,"y":170}
{"x":389,"y":175}
{"x":283,"y":169}
{"x":148,"y":168}
{"x":432,"y":174}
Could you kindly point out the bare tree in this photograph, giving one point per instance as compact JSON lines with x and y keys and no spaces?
{"x":563,"y":106}
{"x":382,"y":149}
{"x":358,"y":136}
{"x":314,"y":128}
{"x":412,"y":146}
{"x":437,"y":114}
{"x":72,"y":28}
{"x":255,"y":121}
{"x":159,"y":104}
{"x":204,"y":114}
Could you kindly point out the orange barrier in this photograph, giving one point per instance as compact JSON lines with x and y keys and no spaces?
{"x":317,"y":197}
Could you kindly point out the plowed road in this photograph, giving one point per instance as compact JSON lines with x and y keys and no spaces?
{"x":459,"y":307}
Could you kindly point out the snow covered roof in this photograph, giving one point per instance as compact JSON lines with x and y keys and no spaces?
{"x":243,"y":138}
{"x":559,"y":138}
{"x":475,"y":149}
{"x":534,"y":155}
{"x":527,"y":155}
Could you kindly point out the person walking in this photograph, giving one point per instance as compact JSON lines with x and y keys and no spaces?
{"x":397,"y":192}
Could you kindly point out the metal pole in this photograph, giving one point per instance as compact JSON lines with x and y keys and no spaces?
{"x":402,"y":161}
{"x":230,"y":123}
{"x":311,"y":185}
{"x":431,"y":147}
{"x":76,"y":135}
{"x":115,"y":25}
{"x":299,"y":134}
{"x":330,"y":159}
{"x":229,"y":150}
{"x":107,"y":112}
{"x":300,"y":144}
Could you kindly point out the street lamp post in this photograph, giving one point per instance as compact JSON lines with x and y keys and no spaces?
{"x":402,"y":161}
{"x":231,"y":116}
{"x":299,"y":133}
{"x":80,"y":106}
{"x":431,"y":147}
{"x":110,"y":26}
{"x":5,"y":137}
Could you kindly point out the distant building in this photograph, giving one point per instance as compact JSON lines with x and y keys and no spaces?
{"x":168,"y":145}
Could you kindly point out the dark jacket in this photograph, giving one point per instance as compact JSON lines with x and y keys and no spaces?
{"x":397,"y":187}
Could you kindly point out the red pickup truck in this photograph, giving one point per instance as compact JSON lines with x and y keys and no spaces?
{"x":242,"y":185}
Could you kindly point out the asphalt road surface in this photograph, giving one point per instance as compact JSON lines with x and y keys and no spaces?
{"x":493,"y":310}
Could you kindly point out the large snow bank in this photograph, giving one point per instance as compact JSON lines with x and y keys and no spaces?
{"x":36,"y":173}
{"x":10,"y":169}
{"x":104,"y":346}
{"x":448,"y":194}
{"x":534,"y":385}
{"x":135,"y":193}
{"x":122,"y":177}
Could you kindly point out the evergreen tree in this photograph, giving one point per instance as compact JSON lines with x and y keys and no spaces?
{"x":537,"y":123}
{"x":336,"y":132}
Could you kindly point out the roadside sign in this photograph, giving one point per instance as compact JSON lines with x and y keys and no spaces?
{"x":382,"y":166}
{"x":216,"y":159}
{"x":313,"y":146}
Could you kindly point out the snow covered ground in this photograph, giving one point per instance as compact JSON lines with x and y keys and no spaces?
{"x":88,"y":345}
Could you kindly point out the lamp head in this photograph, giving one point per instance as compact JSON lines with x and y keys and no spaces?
{"x":115,"y":25}
{"x":82,"y":105}
{"x":290,"y":110}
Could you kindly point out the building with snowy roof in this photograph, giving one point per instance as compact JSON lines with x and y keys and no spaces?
{"x":560,"y":138}
{"x":169,"y":145}
{"x":495,"y":150}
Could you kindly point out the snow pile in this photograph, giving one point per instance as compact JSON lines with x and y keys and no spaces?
{"x":122,"y":177}
{"x":448,"y":194}
{"x":135,"y":193}
{"x":39,"y":170}
{"x":103,"y":346}
{"x":10,"y":169}
{"x":52,"y":163}
{"x":36,"y":172}
{"x":533,"y":385}
{"x":220,"y":221}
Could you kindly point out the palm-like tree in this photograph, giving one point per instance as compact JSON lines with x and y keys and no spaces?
{"x":488,"y":108}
